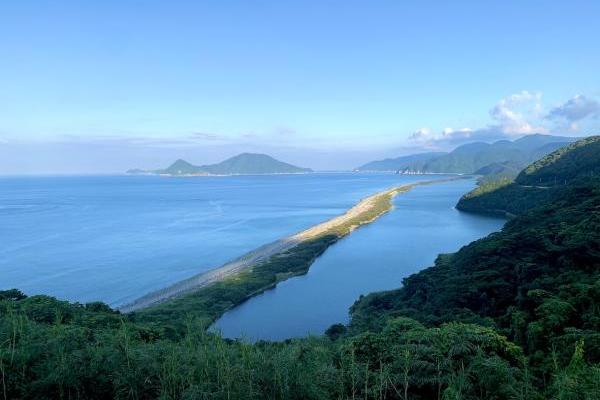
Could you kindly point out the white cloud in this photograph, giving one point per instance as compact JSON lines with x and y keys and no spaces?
{"x":454,"y":134}
{"x":421,"y":134}
{"x":575,"y":109}
{"x":428,"y":138}
{"x":516,"y":114}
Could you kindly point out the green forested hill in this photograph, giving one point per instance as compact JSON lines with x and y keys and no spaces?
{"x":250,"y":163}
{"x":577,"y":160}
{"x":537,"y":282}
{"x":515,"y":315}
{"x":413,"y":162}
{"x":503,"y":158}
{"x":547,"y":257}
{"x":469,"y":158}
{"x":56,"y":350}
{"x":539,"y":182}
{"x":242,"y":164}
{"x":182,"y":167}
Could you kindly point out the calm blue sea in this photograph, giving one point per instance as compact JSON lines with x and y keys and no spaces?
{"x":115,"y":238}
{"x":376,"y":257}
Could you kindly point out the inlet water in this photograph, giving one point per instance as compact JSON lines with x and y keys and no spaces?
{"x":375,"y":257}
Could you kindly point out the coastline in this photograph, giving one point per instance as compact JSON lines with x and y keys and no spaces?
{"x":364,"y":212}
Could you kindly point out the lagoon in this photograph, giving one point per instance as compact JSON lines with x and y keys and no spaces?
{"x":376,"y":257}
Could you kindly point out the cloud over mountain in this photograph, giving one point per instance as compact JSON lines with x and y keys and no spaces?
{"x":516,"y":115}
{"x":576,"y":109}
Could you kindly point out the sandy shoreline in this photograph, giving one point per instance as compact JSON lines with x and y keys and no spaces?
{"x":356,"y":216}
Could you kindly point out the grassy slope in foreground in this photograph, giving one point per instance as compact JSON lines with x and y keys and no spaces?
{"x":209,"y":299}
{"x":537,"y":184}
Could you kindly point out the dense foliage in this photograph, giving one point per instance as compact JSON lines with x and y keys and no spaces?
{"x":505,"y":198}
{"x":56,"y":350}
{"x":488,"y":187}
{"x":515,"y":315}
{"x":537,"y":281}
{"x":579,"y":159}
{"x":504,"y":171}
{"x":539,"y":183}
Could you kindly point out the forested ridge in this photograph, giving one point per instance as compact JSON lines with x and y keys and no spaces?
{"x":492,"y":160}
{"x":515,"y":315}
{"x":539,"y":183}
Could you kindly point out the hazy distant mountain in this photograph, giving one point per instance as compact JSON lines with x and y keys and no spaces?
{"x":242,"y":164}
{"x":495,"y":171}
{"x":470,"y":158}
{"x":412,"y":162}
{"x":182,"y":167}
{"x":498,"y":168}
{"x":250,"y":163}
{"x":504,"y":157}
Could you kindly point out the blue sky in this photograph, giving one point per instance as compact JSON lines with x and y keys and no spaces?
{"x":103,"y":86}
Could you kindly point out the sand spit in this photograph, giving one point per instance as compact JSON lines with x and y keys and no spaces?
{"x":360,"y":214}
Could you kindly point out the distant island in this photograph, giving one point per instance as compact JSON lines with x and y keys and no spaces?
{"x":242,"y":164}
{"x":501,"y":159}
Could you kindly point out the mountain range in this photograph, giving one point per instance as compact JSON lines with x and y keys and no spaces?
{"x":501,"y":158}
{"x":413,"y":162}
{"x":242,"y":164}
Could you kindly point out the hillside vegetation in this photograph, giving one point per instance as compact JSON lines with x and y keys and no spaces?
{"x":577,"y":160}
{"x":413,"y":162}
{"x":250,"y":163}
{"x":540,"y":182}
{"x":514,"y":315}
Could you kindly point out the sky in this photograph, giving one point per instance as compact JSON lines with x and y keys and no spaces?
{"x":104,"y":86}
